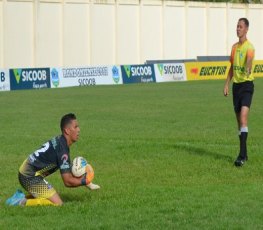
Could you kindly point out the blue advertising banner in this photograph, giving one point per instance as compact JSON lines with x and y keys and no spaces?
{"x":138,"y":73}
{"x":29,"y":78}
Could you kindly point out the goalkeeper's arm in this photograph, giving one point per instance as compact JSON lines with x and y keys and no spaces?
{"x":71,"y":181}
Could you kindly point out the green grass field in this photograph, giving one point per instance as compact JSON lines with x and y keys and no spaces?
{"x":162,"y":153}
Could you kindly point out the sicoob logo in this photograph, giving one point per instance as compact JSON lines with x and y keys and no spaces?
{"x":17,"y":74}
{"x":2,"y":76}
{"x":30,"y":75}
{"x":30,"y":78}
{"x":138,"y":71}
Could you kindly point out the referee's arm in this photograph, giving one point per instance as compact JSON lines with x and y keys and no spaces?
{"x":228,"y":80}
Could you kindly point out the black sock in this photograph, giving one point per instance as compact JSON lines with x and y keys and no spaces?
{"x":243,"y":145}
{"x":239,"y":136}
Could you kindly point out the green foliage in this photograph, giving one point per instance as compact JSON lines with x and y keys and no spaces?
{"x":162,"y":153}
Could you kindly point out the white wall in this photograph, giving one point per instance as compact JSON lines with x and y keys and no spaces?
{"x":76,"y":34}
{"x":255,"y":15}
{"x":174,"y":30}
{"x":18,"y":34}
{"x":128,"y":33}
{"x":196,"y":31}
{"x":49,"y":34}
{"x":38,"y":33}
{"x":150,"y":30}
{"x":216,"y":40}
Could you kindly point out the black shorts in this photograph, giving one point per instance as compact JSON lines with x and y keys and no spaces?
{"x":37,"y":186}
{"x":242,"y":95}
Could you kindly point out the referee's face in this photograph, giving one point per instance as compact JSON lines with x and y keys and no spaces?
{"x":241,"y":29}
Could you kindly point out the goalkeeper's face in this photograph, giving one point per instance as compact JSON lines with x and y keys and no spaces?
{"x":73,"y":130}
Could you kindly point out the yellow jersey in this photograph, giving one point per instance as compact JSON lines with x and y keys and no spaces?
{"x":238,"y":59}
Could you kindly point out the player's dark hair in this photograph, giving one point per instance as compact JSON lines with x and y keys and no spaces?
{"x":245,"y":20}
{"x":66,"y":120}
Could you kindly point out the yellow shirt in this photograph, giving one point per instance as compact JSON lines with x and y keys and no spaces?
{"x":238,"y":59}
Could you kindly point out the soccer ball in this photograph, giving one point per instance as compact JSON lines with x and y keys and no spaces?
{"x":79,"y":166}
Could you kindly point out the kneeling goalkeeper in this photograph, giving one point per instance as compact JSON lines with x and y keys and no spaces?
{"x":53,"y":155}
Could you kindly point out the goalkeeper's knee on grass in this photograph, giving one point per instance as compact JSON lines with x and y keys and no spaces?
{"x":39,"y":202}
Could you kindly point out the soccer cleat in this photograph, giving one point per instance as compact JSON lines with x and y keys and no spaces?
{"x":17,"y":199}
{"x":92,"y":186}
{"x":239,"y":161}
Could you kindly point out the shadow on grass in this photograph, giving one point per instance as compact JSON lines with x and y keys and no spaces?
{"x":66,"y":197}
{"x":197,"y":151}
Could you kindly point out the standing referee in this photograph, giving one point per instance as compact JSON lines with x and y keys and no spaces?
{"x":242,"y":55}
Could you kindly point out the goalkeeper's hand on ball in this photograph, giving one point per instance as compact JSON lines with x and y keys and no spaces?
{"x":88,"y":177}
{"x":92,"y":186}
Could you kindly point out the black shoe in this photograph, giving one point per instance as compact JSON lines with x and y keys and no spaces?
{"x":239,"y":161}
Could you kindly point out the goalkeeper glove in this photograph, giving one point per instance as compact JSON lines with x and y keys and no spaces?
{"x":88,"y":176}
{"x":92,"y":186}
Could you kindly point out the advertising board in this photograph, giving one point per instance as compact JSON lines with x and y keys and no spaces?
{"x":4,"y":80}
{"x":257,"y":69}
{"x":85,"y":76}
{"x":29,"y":78}
{"x":138,"y":74}
{"x":166,"y":72}
{"x":207,"y":70}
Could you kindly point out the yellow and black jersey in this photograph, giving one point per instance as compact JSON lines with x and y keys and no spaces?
{"x":238,"y":59}
{"x":51,"y":156}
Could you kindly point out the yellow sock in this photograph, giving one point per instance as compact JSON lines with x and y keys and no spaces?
{"x":39,"y":201}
